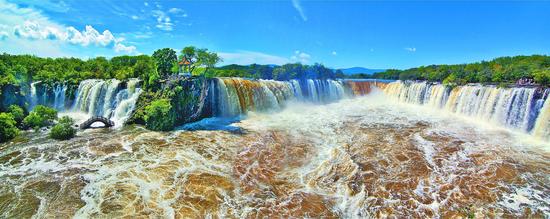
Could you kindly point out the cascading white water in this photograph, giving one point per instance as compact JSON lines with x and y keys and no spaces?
{"x":542,"y":125}
{"x":296,"y":89}
{"x":312,"y":90}
{"x":33,"y":97}
{"x":235,"y":96}
{"x":516,"y":108}
{"x":48,"y":96}
{"x":107,"y":98}
{"x":126,"y":102}
{"x":60,"y":92}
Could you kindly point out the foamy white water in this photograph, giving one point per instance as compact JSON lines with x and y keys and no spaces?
{"x":356,"y":158}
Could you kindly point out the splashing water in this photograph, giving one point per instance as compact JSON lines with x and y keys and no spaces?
{"x":524,"y":109}
{"x":235,"y":96}
{"x":108,"y":98}
{"x":356,"y":158}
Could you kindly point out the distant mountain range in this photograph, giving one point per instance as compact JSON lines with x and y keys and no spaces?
{"x":358,"y":70}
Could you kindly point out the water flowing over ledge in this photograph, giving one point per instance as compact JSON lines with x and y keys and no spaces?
{"x":217,"y":97}
{"x":519,"y":108}
{"x":235,"y":96}
{"x":354,"y":158}
{"x":112,"y":98}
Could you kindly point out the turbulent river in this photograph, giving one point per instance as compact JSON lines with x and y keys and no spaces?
{"x":371,"y":156}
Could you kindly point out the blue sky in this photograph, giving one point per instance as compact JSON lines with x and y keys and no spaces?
{"x":373,"y":34}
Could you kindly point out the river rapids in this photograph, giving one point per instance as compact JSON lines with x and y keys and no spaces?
{"x":363,"y":157}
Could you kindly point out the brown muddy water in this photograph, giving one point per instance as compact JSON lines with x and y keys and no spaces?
{"x":358,"y":158}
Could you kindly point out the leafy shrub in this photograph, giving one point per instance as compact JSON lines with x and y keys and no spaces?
{"x":17,"y":112}
{"x":159,"y":115}
{"x":7,"y":127}
{"x":40,"y":116}
{"x":63,"y":130}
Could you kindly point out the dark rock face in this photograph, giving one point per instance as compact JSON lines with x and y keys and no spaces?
{"x":11,"y":95}
{"x":189,"y":98}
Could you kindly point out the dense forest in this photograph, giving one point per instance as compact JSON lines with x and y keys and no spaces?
{"x":497,"y":71}
{"x":21,"y":70}
{"x":24,"y":69}
{"x":284,"y":72}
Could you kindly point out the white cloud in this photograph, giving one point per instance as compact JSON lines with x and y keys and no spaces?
{"x":174,"y":10}
{"x":145,"y":3}
{"x":30,"y":27}
{"x":250,"y":57}
{"x":125,"y":49}
{"x":163,"y":21}
{"x":3,"y":35}
{"x":410,"y":49}
{"x":334,"y":53}
{"x":178,"y":12}
{"x":301,"y":57}
{"x":298,"y":6}
{"x":89,"y":36}
{"x":33,"y":30}
{"x":135,"y":17}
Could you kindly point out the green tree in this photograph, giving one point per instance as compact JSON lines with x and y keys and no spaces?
{"x":165,"y":59}
{"x":40,"y":116}
{"x":17,"y":112}
{"x":63,"y":130}
{"x":159,"y":115}
{"x":124,"y":73}
{"x":542,"y":76}
{"x":198,"y":60}
{"x":8,"y":130}
{"x":145,"y":69}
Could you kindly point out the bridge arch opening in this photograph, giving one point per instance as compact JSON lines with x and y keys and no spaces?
{"x":97,"y":122}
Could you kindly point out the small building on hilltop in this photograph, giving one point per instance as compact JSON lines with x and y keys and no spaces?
{"x":183,"y":67}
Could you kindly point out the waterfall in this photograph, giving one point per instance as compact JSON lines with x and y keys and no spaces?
{"x":236,"y":96}
{"x":107,"y":98}
{"x":318,"y":91}
{"x":297,"y":89}
{"x":228,"y":97}
{"x":362,"y":87}
{"x":542,"y":126}
{"x":33,"y":96}
{"x":520,"y":108}
{"x":41,"y":94}
{"x":59,"y":99}
{"x":126,"y":102}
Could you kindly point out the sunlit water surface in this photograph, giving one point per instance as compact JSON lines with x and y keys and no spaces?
{"x":362,"y":157}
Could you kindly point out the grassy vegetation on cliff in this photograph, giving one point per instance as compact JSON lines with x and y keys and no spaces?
{"x":159,"y":115}
{"x":186,"y":96}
